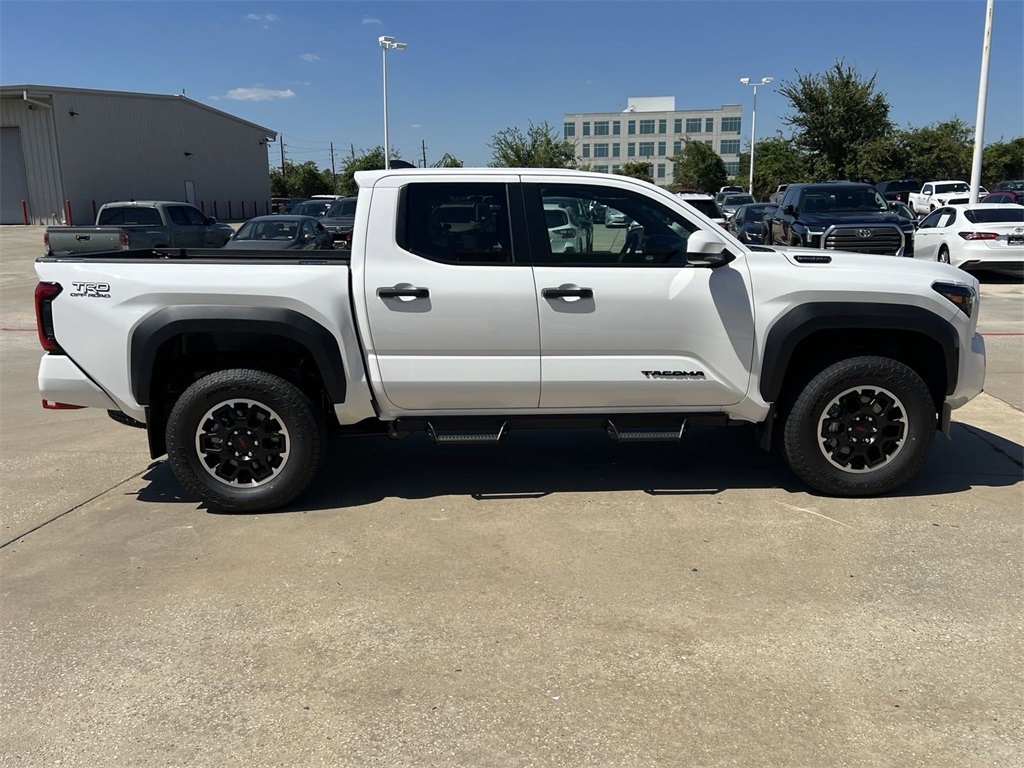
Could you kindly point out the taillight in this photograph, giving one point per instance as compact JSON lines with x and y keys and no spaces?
{"x":979,"y":235}
{"x":46,"y":240}
{"x":45,"y":294}
{"x":568,"y":234}
{"x":125,"y":242}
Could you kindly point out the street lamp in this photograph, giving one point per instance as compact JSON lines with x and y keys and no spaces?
{"x":387,"y":44}
{"x":753,"y":125}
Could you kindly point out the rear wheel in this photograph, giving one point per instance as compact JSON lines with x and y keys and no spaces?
{"x":861,"y":427}
{"x":244,"y":440}
{"x":943,"y":255}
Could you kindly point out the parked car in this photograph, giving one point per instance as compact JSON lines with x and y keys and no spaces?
{"x":778,"y":194}
{"x":748,"y":222}
{"x":315,"y":207}
{"x":581,"y":212}
{"x":136,"y":224}
{"x":903,"y":211}
{"x":614,"y":218}
{"x":339,"y":220}
{"x":1009,"y":184}
{"x":1014,"y":196}
{"x":898,"y":189}
{"x":730,"y":188}
{"x":285,"y":204}
{"x":845,"y":216}
{"x":564,"y":230}
{"x":281,"y":232}
{"x":705,"y":204}
{"x":936,"y":194}
{"x":980,"y":236}
{"x":732,"y":203}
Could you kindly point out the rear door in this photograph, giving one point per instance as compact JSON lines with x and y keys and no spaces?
{"x":447,"y":293}
{"x":628,"y":325}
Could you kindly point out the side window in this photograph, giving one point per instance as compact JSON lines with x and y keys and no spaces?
{"x":929,"y":221}
{"x":307,"y":229}
{"x":195,"y":217}
{"x":465,"y":223}
{"x":178,"y":215}
{"x":789,"y":198}
{"x":947,"y":217}
{"x":623,"y":228}
{"x":927,"y":189}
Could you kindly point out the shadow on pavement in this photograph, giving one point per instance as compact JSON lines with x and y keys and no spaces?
{"x":529,"y":464}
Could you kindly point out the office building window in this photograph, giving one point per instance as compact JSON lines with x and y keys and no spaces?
{"x":631,"y":149}
{"x":709,"y":125}
{"x":730,"y":147}
{"x":661,"y":147}
{"x":615,"y":150}
{"x":586,"y":129}
{"x":586,"y":150}
{"x":616,"y":168}
{"x":616,"y":128}
{"x":709,"y":142}
{"x":569,"y":129}
{"x":631,"y":127}
{"x":646,"y":149}
{"x":693,"y":125}
{"x":663,"y":126}
{"x":601,"y":168}
{"x":646,"y":126}
{"x":730,"y":125}
{"x":678,"y":126}
{"x":661,"y":170}
{"x":601,"y":150}
{"x":600,"y":127}
{"x":732,"y":167}
{"x":677,"y":146}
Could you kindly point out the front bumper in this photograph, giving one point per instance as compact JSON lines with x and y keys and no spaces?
{"x":971,"y":380}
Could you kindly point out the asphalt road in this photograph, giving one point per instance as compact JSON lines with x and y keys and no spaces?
{"x":558,"y":600}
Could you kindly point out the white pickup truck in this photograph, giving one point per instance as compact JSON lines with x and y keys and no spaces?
{"x":936,"y":194}
{"x":239,"y":365}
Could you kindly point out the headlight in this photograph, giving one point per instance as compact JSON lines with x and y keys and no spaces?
{"x":963,"y":296}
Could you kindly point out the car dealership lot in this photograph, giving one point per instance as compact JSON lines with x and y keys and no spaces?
{"x":555,"y":600}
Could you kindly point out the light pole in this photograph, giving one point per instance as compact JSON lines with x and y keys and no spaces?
{"x":753,"y":125}
{"x":387,"y":44}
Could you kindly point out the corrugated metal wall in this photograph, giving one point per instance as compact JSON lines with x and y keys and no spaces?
{"x":141,"y":147}
{"x":39,"y":145}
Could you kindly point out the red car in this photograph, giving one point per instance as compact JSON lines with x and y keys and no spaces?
{"x":1005,"y":196}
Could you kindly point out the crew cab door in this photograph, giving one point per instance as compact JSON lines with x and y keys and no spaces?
{"x":186,"y":229}
{"x":627,"y":325}
{"x":449,"y":309}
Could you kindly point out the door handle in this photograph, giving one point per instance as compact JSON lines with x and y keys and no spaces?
{"x":403,"y":291}
{"x":567,"y":291}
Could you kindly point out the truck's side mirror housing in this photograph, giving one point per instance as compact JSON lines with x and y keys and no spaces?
{"x":789,"y":210}
{"x":704,"y":249}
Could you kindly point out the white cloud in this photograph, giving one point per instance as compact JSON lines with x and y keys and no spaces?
{"x":259,"y":94}
{"x":261,"y":16}
{"x":416,"y":125}
{"x":310,"y":57}
{"x":371,"y":20}
{"x":215,"y":98}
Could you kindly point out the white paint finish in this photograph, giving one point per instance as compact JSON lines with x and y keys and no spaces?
{"x":61,"y":381}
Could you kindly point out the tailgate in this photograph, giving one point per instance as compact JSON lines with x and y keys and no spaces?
{"x":68,"y":240}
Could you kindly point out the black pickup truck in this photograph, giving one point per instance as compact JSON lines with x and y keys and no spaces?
{"x":846,"y":216}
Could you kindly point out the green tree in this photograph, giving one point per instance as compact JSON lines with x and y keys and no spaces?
{"x":777,"y":160}
{"x":835,"y":114}
{"x":448,"y":161}
{"x":638,"y":170}
{"x":371,"y":160}
{"x":884,"y":157}
{"x":1002,"y":160}
{"x":698,"y":167}
{"x":940,"y":150}
{"x":541,"y":147}
{"x":304,"y":180}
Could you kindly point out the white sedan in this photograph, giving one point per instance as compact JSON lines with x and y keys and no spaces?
{"x":980,"y":236}
{"x":564,"y":230}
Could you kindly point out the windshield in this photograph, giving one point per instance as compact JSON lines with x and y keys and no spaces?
{"x":843,"y":199}
{"x":901,"y":186}
{"x":956,"y":187}
{"x":738,"y":199}
{"x":312,"y":208}
{"x":995,"y":215}
{"x":281,"y":229}
{"x":342,"y":208}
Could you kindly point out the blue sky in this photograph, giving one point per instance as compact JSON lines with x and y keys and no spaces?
{"x":312,"y":70}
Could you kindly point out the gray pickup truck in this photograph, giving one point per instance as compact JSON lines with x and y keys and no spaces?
{"x":140,"y":224}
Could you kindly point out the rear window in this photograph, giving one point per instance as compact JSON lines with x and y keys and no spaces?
{"x":130,"y":215}
{"x":556,"y":218}
{"x":901,"y":186}
{"x":738,"y":199}
{"x":342,"y":208}
{"x":995,"y":215}
{"x":708,"y":207}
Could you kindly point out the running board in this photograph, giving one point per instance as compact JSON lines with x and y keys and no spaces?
{"x":470,"y":436}
{"x":645,"y":434}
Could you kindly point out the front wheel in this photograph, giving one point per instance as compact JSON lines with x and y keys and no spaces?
{"x":244,"y":440}
{"x":861,"y":427}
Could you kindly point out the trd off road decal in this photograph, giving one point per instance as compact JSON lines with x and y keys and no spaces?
{"x":91,"y":290}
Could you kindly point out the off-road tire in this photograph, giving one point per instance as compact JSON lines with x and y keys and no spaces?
{"x":874,"y":413}
{"x":264,"y":421}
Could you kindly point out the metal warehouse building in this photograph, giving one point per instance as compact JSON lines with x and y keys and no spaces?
{"x":66,"y":151}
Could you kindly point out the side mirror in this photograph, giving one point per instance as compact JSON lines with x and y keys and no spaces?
{"x":210,"y":220}
{"x":789,"y":210}
{"x":703,"y":249}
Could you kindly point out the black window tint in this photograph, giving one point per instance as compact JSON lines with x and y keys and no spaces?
{"x":929,"y":221}
{"x":111,"y":217}
{"x":195,"y":217}
{"x":631,"y":230}
{"x":456,"y":223}
{"x":178,"y":215}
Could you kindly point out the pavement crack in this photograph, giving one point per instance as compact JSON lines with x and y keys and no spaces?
{"x":983,"y":436}
{"x":81,"y":504}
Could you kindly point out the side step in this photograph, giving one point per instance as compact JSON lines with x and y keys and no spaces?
{"x":476,"y":436}
{"x":672,"y":433}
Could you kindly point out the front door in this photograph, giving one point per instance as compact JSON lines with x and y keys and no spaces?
{"x":628,"y":326}
{"x":448,"y":294}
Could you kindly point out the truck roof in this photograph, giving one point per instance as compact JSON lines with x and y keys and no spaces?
{"x":369,"y":178}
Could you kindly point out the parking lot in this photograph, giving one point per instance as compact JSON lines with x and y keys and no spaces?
{"x":556,"y":600}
